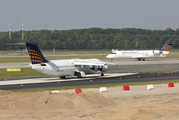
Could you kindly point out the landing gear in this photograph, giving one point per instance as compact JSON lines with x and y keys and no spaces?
{"x":62,"y":77}
{"x":79,"y":75}
{"x":141,"y":59}
{"x":102,"y":74}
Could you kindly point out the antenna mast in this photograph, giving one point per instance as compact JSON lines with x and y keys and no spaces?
{"x":9,"y":25}
{"x":22,"y":29}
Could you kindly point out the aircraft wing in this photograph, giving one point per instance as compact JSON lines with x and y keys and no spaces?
{"x":93,"y":63}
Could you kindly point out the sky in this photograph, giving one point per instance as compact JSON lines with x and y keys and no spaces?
{"x":80,"y":14}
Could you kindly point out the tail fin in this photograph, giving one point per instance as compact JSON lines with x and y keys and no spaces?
{"x":167,"y":47}
{"x":35,"y":54}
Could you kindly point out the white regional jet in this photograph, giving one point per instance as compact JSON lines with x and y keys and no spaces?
{"x":141,"y":54}
{"x":67,"y":67}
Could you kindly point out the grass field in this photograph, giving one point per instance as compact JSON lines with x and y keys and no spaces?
{"x":25,"y":72}
{"x":63,"y":52}
{"x":27,"y":59}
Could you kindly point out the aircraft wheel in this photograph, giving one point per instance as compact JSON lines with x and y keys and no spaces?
{"x":62,"y":77}
{"x":139,"y":59}
{"x":143,"y":59}
{"x":79,"y":75}
{"x":102,"y":74}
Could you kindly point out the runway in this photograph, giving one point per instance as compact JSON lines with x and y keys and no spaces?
{"x":43,"y":81}
{"x":126,"y":72}
{"x":46,"y":79}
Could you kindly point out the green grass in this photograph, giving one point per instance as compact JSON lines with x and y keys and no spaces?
{"x":79,"y":52}
{"x":93,"y":86}
{"x":63,"y":52}
{"x":174,"y":55}
{"x":27,"y":59}
{"x":14,"y":59}
{"x":25,"y":72}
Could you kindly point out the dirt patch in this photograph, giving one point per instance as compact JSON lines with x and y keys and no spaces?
{"x":138,"y":103}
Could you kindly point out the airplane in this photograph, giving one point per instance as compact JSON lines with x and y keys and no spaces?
{"x":141,"y":54}
{"x":66,"y":67}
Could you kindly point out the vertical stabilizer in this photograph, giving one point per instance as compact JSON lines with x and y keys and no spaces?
{"x":167,"y":47}
{"x":35,"y":54}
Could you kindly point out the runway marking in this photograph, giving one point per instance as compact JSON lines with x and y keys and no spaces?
{"x":48,"y":80}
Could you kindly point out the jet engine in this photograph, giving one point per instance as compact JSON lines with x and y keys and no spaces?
{"x":94,"y":68}
{"x":103,"y":68}
{"x":156,"y":51}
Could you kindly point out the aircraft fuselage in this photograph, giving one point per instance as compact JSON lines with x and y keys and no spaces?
{"x":63,"y":68}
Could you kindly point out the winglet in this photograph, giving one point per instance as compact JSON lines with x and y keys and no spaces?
{"x":167,"y":47}
{"x":35,"y":54}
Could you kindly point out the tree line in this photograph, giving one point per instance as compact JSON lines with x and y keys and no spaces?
{"x":92,"y":38}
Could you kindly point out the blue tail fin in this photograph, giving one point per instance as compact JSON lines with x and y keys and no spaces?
{"x":35,"y":54}
{"x":167,"y":46}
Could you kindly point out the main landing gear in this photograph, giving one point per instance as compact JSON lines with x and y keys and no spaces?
{"x":79,"y":75}
{"x":141,"y":59}
{"x":62,"y":77}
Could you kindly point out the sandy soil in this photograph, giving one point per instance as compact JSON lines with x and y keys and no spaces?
{"x":160,"y":103}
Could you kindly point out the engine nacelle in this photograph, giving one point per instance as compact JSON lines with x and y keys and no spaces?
{"x":103,"y":68}
{"x":156,"y":52}
{"x":94,"y":68}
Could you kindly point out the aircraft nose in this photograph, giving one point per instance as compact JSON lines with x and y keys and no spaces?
{"x":108,"y":56}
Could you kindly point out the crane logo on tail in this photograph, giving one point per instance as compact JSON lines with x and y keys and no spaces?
{"x":167,"y":46}
{"x":35,"y":54}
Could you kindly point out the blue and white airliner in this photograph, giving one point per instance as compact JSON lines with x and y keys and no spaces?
{"x":66,"y":67}
{"x":141,"y":54}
